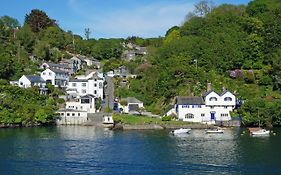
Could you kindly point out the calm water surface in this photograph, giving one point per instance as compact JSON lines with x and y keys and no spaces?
{"x":90,"y":150}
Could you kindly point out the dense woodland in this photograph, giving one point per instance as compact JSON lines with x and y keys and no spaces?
{"x":232,"y":47}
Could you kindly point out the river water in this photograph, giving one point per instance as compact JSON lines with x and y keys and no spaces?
{"x":91,"y":150}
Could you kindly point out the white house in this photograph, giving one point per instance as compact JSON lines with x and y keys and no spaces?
{"x":84,"y":103}
{"x":92,"y":86}
{"x":56,"y":77}
{"x":131,"y":104}
{"x":27,"y":81}
{"x":210,"y":108}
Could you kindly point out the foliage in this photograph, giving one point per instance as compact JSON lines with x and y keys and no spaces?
{"x":166,"y":118}
{"x":24,"y":106}
{"x":38,"y":20}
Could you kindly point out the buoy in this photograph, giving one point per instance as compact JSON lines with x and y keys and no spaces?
{"x":243,"y":132}
{"x":274,"y":133}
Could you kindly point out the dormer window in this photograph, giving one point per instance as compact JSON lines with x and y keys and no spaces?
{"x":227,"y":99}
{"x":213,"y":99}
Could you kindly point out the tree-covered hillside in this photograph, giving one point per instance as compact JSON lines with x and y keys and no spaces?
{"x":233,"y":47}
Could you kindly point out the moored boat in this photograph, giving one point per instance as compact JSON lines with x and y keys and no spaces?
{"x":214,"y":131}
{"x":181,"y":131}
{"x":259,"y":132}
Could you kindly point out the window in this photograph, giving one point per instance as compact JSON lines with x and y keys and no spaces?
{"x":78,"y":114}
{"x":62,"y":114}
{"x":50,"y":73}
{"x":84,"y":84}
{"x":21,"y":83}
{"x":213,"y":99}
{"x":74,"y":84}
{"x":95,"y":84}
{"x":73,"y":114}
{"x":225,"y":107}
{"x":227,"y":99}
{"x":212,"y":107}
{"x":44,"y":73}
{"x":185,"y":106}
{"x":100,"y":85}
{"x":81,"y":107}
{"x":68,"y":114}
{"x":95,"y":79}
{"x":202,"y":115}
{"x":224,"y":115}
{"x":84,"y":91}
{"x":189,"y":116}
{"x":95,"y":92}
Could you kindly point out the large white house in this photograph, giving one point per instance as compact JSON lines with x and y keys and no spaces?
{"x":56,"y":77}
{"x":210,"y":108}
{"x":81,"y":87}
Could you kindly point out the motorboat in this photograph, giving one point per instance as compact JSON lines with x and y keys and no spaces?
{"x":260,"y":132}
{"x":181,"y":131}
{"x":214,"y":131}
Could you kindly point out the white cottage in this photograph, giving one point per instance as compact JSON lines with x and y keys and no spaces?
{"x":56,"y":77}
{"x":210,"y":108}
{"x":27,"y":81}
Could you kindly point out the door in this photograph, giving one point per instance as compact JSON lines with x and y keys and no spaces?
{"x":213,"y":116}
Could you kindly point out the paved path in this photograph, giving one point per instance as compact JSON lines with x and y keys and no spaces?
{"x":109,"y":93}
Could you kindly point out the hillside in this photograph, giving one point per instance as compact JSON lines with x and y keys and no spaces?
{"x":232,"y":47}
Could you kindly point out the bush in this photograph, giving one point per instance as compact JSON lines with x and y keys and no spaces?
{"x":166,"y":118}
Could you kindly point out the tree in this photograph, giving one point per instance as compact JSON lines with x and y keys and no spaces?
{"x":26,"y":38}
{"x":42,"y":50}
{"x":203,"y":7}
{"x":87,"y":33}
{"x":39,"y":20}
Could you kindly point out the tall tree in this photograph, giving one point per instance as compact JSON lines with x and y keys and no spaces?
{"x":39,"y":20}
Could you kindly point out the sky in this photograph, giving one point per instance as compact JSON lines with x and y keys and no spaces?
{"x":110,"y":18}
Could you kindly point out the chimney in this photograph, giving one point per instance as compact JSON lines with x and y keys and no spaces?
{"x":209,"y":87}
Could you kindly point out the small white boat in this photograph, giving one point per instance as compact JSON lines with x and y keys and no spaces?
{"x":181,"y":131}
{"x":261,"y":132}
{"x":214,"y":131}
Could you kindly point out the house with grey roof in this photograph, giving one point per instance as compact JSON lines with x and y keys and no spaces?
{"x":27,"y":81}
{"x":56,"y":77}
{"x":130,"y":105}
{"x":212,"y":107}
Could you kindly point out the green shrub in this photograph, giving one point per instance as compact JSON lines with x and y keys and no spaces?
{"x":166,"y":118}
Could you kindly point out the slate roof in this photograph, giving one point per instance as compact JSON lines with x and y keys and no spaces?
{"x":56,"y":65}
{"x":35,"y":79}
{"x":133,"y":100}
{"x":78,"y":80}
{"x":88,"y":96}
{"x":58,"y":71}
{"x":190,"y":101}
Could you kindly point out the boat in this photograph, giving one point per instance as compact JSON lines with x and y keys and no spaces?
{"x":181,"y":131}
{"x":214,"y":131}
{"x":261,"y":132}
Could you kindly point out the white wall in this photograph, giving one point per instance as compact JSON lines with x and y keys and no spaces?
{"x":24,"y":82}
{"x":48,"y":75}
{"x":71,"y":118}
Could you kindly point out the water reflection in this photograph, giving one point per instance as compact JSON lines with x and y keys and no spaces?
{"x":91,"y":150}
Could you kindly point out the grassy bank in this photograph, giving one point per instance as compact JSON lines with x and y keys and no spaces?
{"x":144,"y":120}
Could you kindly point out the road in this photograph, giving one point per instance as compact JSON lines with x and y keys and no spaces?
{"x":109,"y":93}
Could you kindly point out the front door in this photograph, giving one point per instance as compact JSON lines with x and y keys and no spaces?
{"x":213,"y":116}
